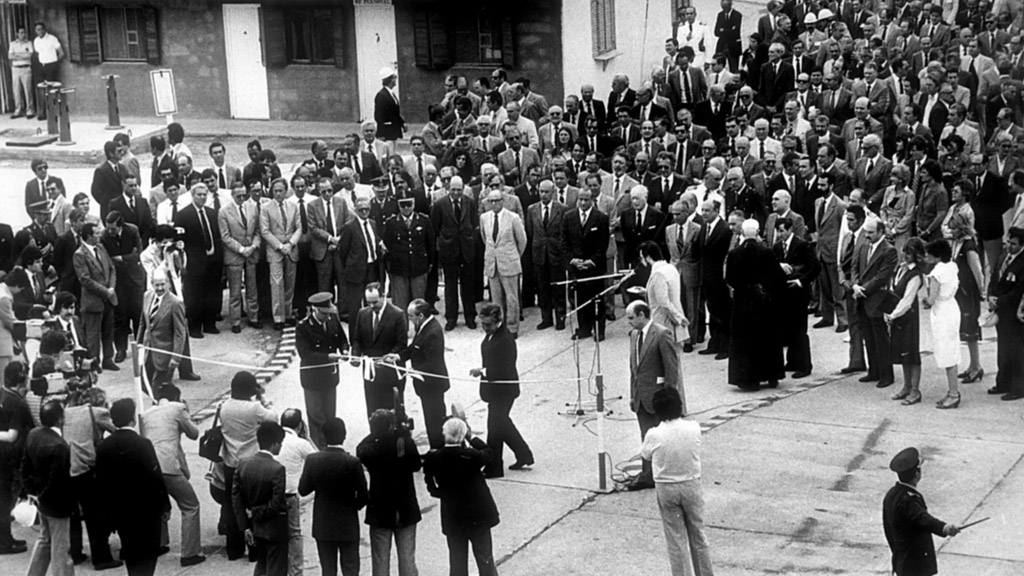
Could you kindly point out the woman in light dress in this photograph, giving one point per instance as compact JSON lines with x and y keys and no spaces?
{"x":942,"y":283}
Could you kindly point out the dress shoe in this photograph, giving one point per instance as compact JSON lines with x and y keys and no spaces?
{"x":972,"y":378}
{"x":995,"y":390}
{"x":193,"y":377}
{"x":803,"y":374}
{"x":16,"y":116}
{"x":868,"y":378}
{"x":255,"y":325}
{"x":851,"y":370}
{"x":1011,"y":396}
{"x":520,"y":464}
{"x":279,"y":326}
{"x":244,"y":314}
{"x":471,"y":324}
{"x":823,"y":324}
{"x":192,"y":560}
{"x":560,"y":325}
{"x":13,"y":548}
{"x":577,"y":335}
{"x":449,"y":326}
{"x":774,"y":383}
{"x":163,"y":550}
{"x":963,"y":374}
{"x":219,"y":316}
{"x":842,"y":328}
{"x":77,"y":559}
{"x":29,"y":116}
{"x":290,"y":322}
{"x":211,"y":330}
{"x":545,"y":325}
{"x":236,"y":329}
{"x":600,"y":336}
{"x":119,"y":357}
{"x":195,"y":334}
{"x":109,"y":365}
{"x":884,"y":383}
{"x":722,"y":356}
{"x":108,"y":565}
{"x":640,"y":485}
{"x":687,"y":347}
{"x":494,"y":474}
{"x":707,"y":351}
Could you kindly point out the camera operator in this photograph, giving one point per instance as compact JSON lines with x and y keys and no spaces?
{"x":389,"y":455}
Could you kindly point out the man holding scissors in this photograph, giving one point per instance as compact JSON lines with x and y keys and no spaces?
{"x":908,"y":525}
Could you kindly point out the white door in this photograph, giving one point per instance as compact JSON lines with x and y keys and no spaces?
{"x":247,"y":74}
{"x":376,"y":47}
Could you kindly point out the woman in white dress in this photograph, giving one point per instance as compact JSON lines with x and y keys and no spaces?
{"x":664,"y":292}
{"x":943,"y":282}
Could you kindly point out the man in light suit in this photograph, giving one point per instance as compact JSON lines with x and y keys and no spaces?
{"x":35,"y":189}
{"x":829,"y":212}
{"x":653,"y":364}
{"x":417,"y":162}
{"x":680,"y":236}
{"x":328,"y":213}
{"x":280,"y":229}
{"x":873,"y":268}
{"x":515,"y":162}
{"x":240,"y":234}
{"x":544,"y":231}
{"x":871,"y":173}
{"x":504,"y":244}
{"x":258,"y":490}
{"x":162,"y":330}
{"x":362,"y":246}
{"x":781,"y":201}
{"x":96,"y":274}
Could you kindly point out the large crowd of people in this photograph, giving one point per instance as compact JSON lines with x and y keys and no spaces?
{"x":857,"y":163}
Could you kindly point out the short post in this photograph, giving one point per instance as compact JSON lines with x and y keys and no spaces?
{"x":52,"y":108}
{"x":42,"y":89}
{"x":113,"y":110}
{"x":65,"y":117}
{"x":137,"y":375}
{"x":602,"y":470}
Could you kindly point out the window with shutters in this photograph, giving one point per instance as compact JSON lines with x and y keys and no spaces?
{"x":456,"y":34}
{"x":602,"y":26}
{"x":129,"y":33}
{"x":309,"y":34}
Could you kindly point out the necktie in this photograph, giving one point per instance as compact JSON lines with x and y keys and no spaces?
{"x":544,"y":221}
{"x":220,"y":179}
{"x":458,"y":211}
{"x":355,"y":163}
{"x":207,"y":234}
{"x":419,"y":169}
{"x":590,"y":109}
{"x":494,"y":231}
{"x":561,"y":196}
{"x":618,"y":183}
{"x":154,"y":309}
{"x":716,"y":78}
{"x":35,"y":287}
{"x":593,"y":143}
{"x":174,"y":209}
{"x":639,"y":344}
{"x":762,"y":149}
{"x":796,"y":65}
{"x":376,"y":321}
{"x":664,"y":187}
{"x":1006,"y":264}
{"x":330,"y":218}
{"x":371,"y":248}
{"x":871,"y":166}
{"x":245,"y":221}
{"x":647,"y":149}
{"x":131,"y":203}
{"x":639,"y":220}
{"x":644,"y":111}
{"x":302,"y":216}
{"x":686,"y":85}
{"x":519,"y":167}
{"x":680,"y":239}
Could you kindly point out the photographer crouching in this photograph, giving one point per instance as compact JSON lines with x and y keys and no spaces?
{"x":389,"y":455}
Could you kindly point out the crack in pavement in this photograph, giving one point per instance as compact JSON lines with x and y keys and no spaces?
{"x":868,"y":449}
{"x":544,"y":530}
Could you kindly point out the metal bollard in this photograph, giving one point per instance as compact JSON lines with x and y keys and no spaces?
{"x":65,"y":117}
{"x":41,"y":90}
{"x":113,"y":110}
{"x":52,"y":108}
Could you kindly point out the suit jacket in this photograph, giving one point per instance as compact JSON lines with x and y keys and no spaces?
{"x":499,"y":354}
{"x":547,"y":132}
{"x":546,"y":244}
{"x":656,"y":112}
{"x":315,"y":342}
{"x":838,"y":111}
{"x":46,"y":472}
{"x":163,"y":162}
{"x":454,"y":475}
{"x":873,"y":183}
{"x":352,"y":244}
{"x":33,"y":194}
{"x":96,"y":274}
{"x":131,"y":277}
{"x":259,"y":488}
{"x":653,"y":230}
{"x":627,"y":98}
{"x":623,"y":134}
{"x":656,"y":359}
{"x":369,"y":166}
{"x":586,"y":240}
{"x":164,"y":331}
{"x":661,"y":198}
{"x":528,"y":157}
{"x":320,"y":233}
{"x":640,"y":146}
{"x":195,"y":244}
{"x":410,"y":248}
{"x":940,"y":112}
{"x":390,"y":337}
{"x":598,"y":111}
{"x":141,"y":217}
{"x":387,"y":112}
{"x":677,"y":86}
{"x":908,"y":529}
{"x":106,"y":183}
{"x":502,"y":256}
{"x":28,"y":298}
{"x":711,"y":248}
{"x":456,"y":240}
{"x":63,"y":253}
{"x":774,"y":86}
{"x":727,"y":30}
{"x":338,"y":479}
{"x":277,"y":229}
{"x":805,"y":268}
{"x":163,"y":425}
{"x":827,"y":223}
{"x":874,"y":274}
{"x":799,"y":226}
{"x":426,"y":352}
{"x":990,"y":202}
{"x":412,"y":167}
{"x":235,"y":236}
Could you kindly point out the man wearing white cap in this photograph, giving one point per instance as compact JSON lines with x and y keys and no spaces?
{"x":387,"y":110}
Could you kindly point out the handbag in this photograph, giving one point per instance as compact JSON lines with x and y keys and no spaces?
{"x":212,"y":440}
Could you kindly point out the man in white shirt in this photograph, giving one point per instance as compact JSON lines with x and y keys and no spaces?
{"x":294,"y":451}
{"x":695,"y":35}
{"x":50,"y":53}
{"x":673,"y":447}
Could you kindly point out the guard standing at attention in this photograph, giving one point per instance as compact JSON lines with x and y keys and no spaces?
{"x":320,"y":342}
{"x":908,"y":525}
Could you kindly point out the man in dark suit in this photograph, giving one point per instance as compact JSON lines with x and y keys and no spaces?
{"x":456,"y":223}
{"x":727,"y":30}
{"x":123,"y":244}
{"x":98,"y":277}
{"x":711,"y":248}
{"x":499,"y":388}
{"x":258,"y":490}
{"x":320,"y":342}
{"x":365,"y":165}
{"x":204,"y":250}
{"x":338,"y":479}
{"x":777,"y":78}
{"x":585,"y":236}
{"x":409,"y":239}
{"x":35,"y":189}
{"x":380,"y":328}
{"x":387,"y":110}
{"x":592,"y":108}
{"x":666,"y":186}
{"x":134,"y":208}
{"x":361,"y":243}
{"x":653,"y":364}
{"x":908,"y":525}
{"x":641,"y":223}
{"x":713,"y":112}
{"x":129,"y":472}
{"x":162,"y":160}
{"x":107,"y":178}
{"x":1004,"y":296}
{"x":873,"y":268}
{"x":801,"y":267}
{"x":45,"y":474}
{"x":426,"y":352}
{"x":621,"y":94}
{"x":544,"y":228}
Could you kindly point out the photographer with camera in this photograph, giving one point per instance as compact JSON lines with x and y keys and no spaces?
{"x":390,"y":456}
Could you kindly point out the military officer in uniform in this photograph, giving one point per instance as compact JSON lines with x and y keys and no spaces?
{"x":320,"y":342}
{"x":908,"y":525}
{"x":409,"y":238}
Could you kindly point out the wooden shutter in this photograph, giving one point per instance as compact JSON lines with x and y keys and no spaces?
{"x":508,"y":46}
{"x":275,"y":46}
{"x":84,"y":35}
{"x":421,"y":38}
{"x":602,"y":26}
{"x":440,"y":48}
{"x":338,"y":30}
{"x":152,"y":27}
